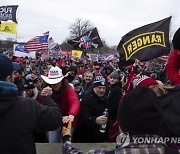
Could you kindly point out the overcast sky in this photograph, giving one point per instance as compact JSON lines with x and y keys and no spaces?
{"x":113,"y":18}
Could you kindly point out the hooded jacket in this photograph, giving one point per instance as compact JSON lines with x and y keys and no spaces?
{"x":20,"y":116}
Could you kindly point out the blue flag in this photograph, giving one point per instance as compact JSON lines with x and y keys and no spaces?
{"x":21,"y":48}
{"x":43,"y":39}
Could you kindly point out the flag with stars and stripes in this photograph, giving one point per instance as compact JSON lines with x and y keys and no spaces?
{"x":38,"y":43}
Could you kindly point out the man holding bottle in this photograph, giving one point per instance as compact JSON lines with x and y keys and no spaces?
{"x":91,"y":116}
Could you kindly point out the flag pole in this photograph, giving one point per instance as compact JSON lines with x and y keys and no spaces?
{"x":17,"y":24}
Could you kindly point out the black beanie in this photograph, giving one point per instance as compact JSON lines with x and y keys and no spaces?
{"x":99,"y":81}
{"x":6,"y":67}
{"x":29,"y":85}
{"x":139,"y":112}
{"x":176,"y":40}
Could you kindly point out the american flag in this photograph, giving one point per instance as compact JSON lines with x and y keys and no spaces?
{"x":56,"y":48}
{"x":51,"y":43}
{"x":86,"y":41}
{"x":37,"y":43}
{"x":50,"y":40}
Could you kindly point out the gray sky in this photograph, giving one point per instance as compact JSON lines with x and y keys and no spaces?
{"x":113,"y":18}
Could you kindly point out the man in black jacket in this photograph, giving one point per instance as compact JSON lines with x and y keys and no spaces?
{"x":90,"y":114}
{"x":19,"y":116}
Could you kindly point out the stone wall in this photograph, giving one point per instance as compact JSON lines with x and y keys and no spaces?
{"x":56,"y":148}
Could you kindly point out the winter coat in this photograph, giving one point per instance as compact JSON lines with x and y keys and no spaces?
{"x":20,"y":116}
{"x":173,"y":66}
{"x":114,"y":97}
{"x":92,"y":106}
{"x":69,"y":103}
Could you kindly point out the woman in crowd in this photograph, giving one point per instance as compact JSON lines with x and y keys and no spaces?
{"x":66,"y":98}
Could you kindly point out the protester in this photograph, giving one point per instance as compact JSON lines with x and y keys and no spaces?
{"x":20,"y":116}
{"x":115,"y":93}
{"x":81,"y":70}
{"x":30,"y":91}
{"x":108,"y":69}
{"x":96,"y":70}
{"x":37,"y":81}
{"x":32,"y":68}
{"x":62,"y":65}
{"x":139,"y":117}
{"x":78,"y":88}
{"x":87,"y":82}
{"x":90,"y":114}
{"x":173,"y":64}
{"x":65,"y":97}
{"x":71,"y":74}
{"x":168,"y":97}
{"x":158,"y":87}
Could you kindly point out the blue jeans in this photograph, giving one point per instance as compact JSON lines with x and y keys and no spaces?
{"x":55,"y":136}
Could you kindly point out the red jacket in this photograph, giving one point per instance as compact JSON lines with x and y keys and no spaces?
{"x":70,"y":104}
{"x":173,"y":67}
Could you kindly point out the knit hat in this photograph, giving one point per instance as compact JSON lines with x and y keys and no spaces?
{"x":75,"y":81}
{"x":6,"y":67}
{"x":32,"y":77}
{"x":176,"y":40}
{"x":144,"y":80}
{"x":99,"y":81}
{"x":114,"y":75}
{"x":139,"y":112}
{"x":29,"y":85}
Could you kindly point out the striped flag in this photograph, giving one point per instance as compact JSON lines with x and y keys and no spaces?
{"x":56,"y":48}
{"x":38,"y":43}
{"x":51,"y":43}
{"x":51,"y":40}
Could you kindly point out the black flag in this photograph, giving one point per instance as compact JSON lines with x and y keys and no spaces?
{"x":88,"y":40}
{"x":8,"y":13}
{"x":145,"y":43}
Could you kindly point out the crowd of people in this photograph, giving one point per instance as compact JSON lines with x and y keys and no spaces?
{"x":57,"y":101}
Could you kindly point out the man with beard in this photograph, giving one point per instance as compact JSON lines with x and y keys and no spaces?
{"x":87,"y":82}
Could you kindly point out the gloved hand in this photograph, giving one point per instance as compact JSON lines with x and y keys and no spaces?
{"x":66,"y":132}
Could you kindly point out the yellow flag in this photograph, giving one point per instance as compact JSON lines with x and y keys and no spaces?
{"x":76,"y":53}
{"x":8,"y":27}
